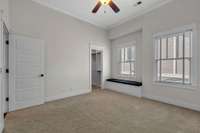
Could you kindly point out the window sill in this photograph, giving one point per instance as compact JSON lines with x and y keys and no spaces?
{"x":176,"y":85}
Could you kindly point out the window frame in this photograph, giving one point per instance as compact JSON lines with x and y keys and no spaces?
{"x":128,"y":45}
{"x":194,"y":60}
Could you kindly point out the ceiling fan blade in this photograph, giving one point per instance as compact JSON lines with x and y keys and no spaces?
{"x":96,"y":8}
{"x":114,"y":6}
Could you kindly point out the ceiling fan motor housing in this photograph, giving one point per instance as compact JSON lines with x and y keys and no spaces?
{"x":105,"y":2}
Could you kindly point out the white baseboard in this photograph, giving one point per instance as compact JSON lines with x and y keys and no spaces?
{"x":67,"y":94}
{"x":174,"y":102}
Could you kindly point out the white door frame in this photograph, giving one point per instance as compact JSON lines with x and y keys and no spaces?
{"x":95,"y":46}
{"x":1,"y":70}
{"x":5,"y":75}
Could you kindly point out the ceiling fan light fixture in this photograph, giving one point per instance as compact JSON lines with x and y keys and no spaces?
{"x":105,"y":2}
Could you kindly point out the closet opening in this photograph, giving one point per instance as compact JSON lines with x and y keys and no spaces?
{"x":96,"y":64}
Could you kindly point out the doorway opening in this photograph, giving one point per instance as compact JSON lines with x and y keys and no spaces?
{"x":96,"y":69}
{"x":5,"y":66}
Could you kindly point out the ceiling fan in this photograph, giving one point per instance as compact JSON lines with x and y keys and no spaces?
{"x":106,"y":2}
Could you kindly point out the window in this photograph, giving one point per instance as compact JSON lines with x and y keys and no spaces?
{"x":127,"y":61}
{"x":173,"y":55}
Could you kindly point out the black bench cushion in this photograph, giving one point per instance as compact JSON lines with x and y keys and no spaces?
{"x":128,"y":82}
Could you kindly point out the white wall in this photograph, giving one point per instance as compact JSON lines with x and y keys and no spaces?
{"x":134,"y":39}
{"x":67,"y":45}
{"x":172,"y":15}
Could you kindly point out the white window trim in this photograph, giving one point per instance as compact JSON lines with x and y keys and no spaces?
{"x":194,"y":61}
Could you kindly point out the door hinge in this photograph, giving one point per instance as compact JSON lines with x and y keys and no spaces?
{"x":7,"y":99}
{"x":7,"y":42}
{"x":5,"y":114}
{"x":7,"y":70}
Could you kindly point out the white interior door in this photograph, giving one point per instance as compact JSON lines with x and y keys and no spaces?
{"x":26,"y":72}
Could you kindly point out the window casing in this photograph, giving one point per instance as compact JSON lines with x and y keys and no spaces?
{"x":128,"y":61}
{"x":173,"y":57}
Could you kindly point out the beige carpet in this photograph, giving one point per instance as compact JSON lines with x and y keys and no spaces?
{"x":103,"y":112}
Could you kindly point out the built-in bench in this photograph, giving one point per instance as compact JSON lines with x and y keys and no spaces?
{"x":133,"y":88}
{"x":127,"y":82}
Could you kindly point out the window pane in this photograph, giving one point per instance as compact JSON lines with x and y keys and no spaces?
{"x":130,"y":56}
{"x":179,"y":68}
{"x":130,"y":53}
{"x":125,"y":68}
{"x":169,"y":71}
{"x":187,"y":71}
{"x":122,"y":54}
{"x":128,"y":61}
{"x":133,"y":68}
{"x":133,"y":52}
{"x":158,"y":70}
{"x":172,"y":47}
{"x":180,"y":46}
{"x":126,"y":54}
{"x":164,"y":48}
{"x":188,"y":44}
{"x":167,"y":67}
{"x":157,"y":49}
{"x":179,"y":73}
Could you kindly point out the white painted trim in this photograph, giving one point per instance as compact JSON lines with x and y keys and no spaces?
{"x":12,"y":69}
{"x":95,"y":46}
{"x":43,"y":46}
{"x":1,"y":58}
{"x":173,"y":102}
{"x":66,"y":95}
{"x":176,"y":85}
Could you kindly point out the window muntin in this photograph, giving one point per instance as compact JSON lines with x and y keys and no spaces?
{"x":127,"y":61}
{"x":173,"y":55}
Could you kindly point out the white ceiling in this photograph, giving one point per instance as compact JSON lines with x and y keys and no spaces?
{"x":81,"y":9}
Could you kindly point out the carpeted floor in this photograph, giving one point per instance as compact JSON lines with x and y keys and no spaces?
{"x":103,"y":112}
